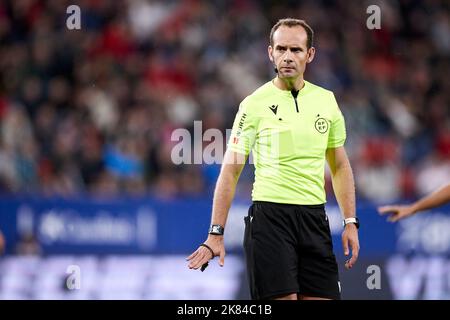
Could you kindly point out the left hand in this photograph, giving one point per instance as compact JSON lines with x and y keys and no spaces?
{"x":350,"y":238}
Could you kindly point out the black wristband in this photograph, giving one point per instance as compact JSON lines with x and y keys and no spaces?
{"x":209,"y":248}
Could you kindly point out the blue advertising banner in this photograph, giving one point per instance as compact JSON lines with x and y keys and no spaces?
{"x":148,"y":225}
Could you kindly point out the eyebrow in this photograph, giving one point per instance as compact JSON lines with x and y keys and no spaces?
{"x":279,"y":47}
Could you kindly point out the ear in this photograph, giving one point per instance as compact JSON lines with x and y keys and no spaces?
{"x":311,"y":54}
{"x":269,"y":51}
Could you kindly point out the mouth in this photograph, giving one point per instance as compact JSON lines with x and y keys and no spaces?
{"x":288,"y":68}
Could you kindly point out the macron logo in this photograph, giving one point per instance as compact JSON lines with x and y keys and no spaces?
{"x":274,"y":109}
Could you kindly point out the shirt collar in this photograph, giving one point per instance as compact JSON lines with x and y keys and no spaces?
{"x":288,"y":92}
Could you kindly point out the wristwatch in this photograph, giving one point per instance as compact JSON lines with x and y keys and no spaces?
{"x":216,"y":229}
{"x":354,"y":220}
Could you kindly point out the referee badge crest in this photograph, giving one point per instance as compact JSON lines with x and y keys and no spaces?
{"x":321,"y":125}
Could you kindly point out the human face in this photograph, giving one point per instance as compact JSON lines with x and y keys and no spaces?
{"x":289,"y":52}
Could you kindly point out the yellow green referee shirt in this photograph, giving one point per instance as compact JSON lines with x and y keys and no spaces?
{"x":288,"y":133}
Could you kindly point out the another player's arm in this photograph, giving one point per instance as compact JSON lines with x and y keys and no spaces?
{"x":2,"y":242}
{"x":435,"y":199}
{"x":223,"y":196}
{"x":344,"y":190}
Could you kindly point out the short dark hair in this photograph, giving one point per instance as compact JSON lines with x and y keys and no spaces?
{"x":291,"y":22}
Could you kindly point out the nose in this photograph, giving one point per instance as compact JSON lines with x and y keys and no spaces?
{"x":287,"y":57}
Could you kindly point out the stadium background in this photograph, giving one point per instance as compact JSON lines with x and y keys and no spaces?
{"x":86,"y":118}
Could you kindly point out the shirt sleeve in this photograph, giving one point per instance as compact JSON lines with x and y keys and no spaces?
{"x":243,"y":133}
{"x":338,"y":133}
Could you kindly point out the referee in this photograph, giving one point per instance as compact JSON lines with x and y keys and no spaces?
{"x":292,"y":126}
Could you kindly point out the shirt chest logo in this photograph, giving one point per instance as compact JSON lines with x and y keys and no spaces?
{"x":321,"y":125}
{"x":274,"y":109}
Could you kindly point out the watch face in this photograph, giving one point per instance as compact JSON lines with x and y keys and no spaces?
{"x":355,"y":222}
{"x":216,"y":229}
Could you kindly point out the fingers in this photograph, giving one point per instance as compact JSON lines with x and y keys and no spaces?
{"x":222,"y":258}
{"x":351,"y":262}
{"x":198,"y":258}
{"x":202,"y":255}
{"x":345,"y":245}
{"x":396,"y":212}
{"x":350,"y":239}
{"x":192,"y":255}
{"x":394,"y":218}
{"x":198,"y":261}
{"x":355,"y":252}
{"x":386,"y":209}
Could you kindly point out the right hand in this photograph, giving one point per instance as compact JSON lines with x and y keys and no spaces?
{"x":203,"y":255}
{"x":397,"y":212}
{"x":350,"y":239}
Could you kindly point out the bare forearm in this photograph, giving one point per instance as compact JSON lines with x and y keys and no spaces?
{"x":344,"y":190}
{"x":433,"y":200}
{"x":226,"y":186}
{"x":223,"y":196}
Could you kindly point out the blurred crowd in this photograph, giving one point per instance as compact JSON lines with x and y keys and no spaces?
{"x":93,"y":110}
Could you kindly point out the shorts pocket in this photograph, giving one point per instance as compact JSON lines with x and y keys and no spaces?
{"x":248,"y":250}
{"x":248,"y":227}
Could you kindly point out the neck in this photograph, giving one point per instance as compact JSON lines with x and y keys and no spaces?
{"x":289,"y":83}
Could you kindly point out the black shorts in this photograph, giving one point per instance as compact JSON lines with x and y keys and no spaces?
{"x":288,"y":249}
